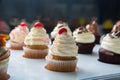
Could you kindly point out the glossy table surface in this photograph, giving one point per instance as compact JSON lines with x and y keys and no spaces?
{"x":88,"y":66}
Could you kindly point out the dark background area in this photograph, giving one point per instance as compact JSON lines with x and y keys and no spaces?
{"x":50,"y":11}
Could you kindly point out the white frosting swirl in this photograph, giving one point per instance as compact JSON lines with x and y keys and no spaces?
{"x":111,"y":44}
{"x":83,"y":37}
{"x":56,"y":29}
{"x":37,"y":36}
{"x":64,"y":45}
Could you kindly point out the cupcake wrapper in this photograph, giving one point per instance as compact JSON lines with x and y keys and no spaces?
{"x":60,"y":66}
{"x":4,"y":66}
{"x":34,"y":53}
{"x":85,"y":48}
{"x":108,"y":56}
{"x":16,"y":46}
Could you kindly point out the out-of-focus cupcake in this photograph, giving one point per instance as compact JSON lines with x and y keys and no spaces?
{"x":4,"y":58}
{"x":4,"y":28}
{"x":109,"y":51}
{"x":18,"y":35}
{"x":93,"y":27}
{"x":56,"y":29}
{"x":36,"y":42}
{"x":116,"y":27}
{"x":62,"y":53}
{"x":84,"y":39}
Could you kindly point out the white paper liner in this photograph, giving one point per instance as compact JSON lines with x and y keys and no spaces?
{"x":34,"y":53}
{"x":16,"y":45}
{"x":59,"y":65}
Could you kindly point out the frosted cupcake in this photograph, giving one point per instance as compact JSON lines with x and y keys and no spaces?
{"x":93,"y":27}
{"x":4,"y":58}
{"x":62,"y":53}
{"x":36,"y":42}
{"x":109,"y":51}
{"x":56,"y":29}
{"x":18,"y":35}
{"x":84,"y":39}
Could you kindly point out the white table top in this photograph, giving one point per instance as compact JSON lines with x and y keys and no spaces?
{"x":21,"y":68}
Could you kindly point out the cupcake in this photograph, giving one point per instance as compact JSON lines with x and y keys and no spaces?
{"x":56,"y":29}
{"x":36,"y":42}
{"x":18,"y":35}
{"x":93,"y":27}
{"x":84,"y":39}
{"x":4,"y":58}
{"x":109,"y":51}
{"x":62,"y":53}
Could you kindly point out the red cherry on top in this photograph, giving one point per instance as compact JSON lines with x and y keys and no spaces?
{"x":23,"y":24}
{"x":62,"y":30}
{"x":38,"y":24}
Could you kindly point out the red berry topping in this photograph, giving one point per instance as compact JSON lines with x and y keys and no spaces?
{"x":23,"y":24}
{"x":62,"y":30}
{"x":38,"y":24}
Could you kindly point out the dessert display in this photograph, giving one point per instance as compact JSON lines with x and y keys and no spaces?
{"x":93,"y":27}
{"x":36,"y":42}
{"x":62,"y":53}
{"x":56,"y":29}
{"x":84,"y":39}
{"x":18,"y":35}
{"x":109,"y":51}
{"x":4,"y":57}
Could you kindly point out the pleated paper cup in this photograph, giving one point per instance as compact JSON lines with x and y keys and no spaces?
{"x":34,"y":53}
{"x":60,"y":66}
{"x":16,"y":46}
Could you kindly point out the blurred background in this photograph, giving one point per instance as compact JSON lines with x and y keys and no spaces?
{"x":75,"y":12}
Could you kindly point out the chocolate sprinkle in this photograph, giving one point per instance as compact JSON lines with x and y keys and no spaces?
{"x":82,"y":29}
{"x":60,"y":26}
{"x":117,"y":34}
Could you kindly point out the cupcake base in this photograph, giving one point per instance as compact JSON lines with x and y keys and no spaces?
{"x":4,"y":77}
{"x":16,"y":46}
{"x":108,"y":56}
{"x":85,"y":48}
{"x":60,"y":65}
{"x":34,"y":53}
